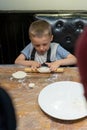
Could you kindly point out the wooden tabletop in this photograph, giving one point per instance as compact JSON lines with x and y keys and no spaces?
{"x":29,"y":115}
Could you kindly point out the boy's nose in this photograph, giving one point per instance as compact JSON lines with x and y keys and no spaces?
{"x":41,"y":48}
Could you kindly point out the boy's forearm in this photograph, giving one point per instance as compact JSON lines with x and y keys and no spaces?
{"x":23,"y":62}
{"x":67,"y":61}
{"x":29,"y":63}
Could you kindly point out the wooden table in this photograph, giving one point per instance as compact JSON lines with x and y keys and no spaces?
{"x":29,"y":115}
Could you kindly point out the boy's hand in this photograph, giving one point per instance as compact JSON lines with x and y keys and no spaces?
{"x":53,"y":65}
{"x":35,"y":65}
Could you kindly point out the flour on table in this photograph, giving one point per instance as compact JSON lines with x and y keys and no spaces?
{"x":43,"y":69}
{"x":19,"y":74}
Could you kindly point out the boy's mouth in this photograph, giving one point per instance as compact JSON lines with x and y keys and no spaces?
{"x":41,"y":52}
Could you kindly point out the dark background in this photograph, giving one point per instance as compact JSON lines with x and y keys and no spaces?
{"x":14,"y":30}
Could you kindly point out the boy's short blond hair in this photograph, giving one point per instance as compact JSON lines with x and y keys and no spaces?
{"x":39,"y":28}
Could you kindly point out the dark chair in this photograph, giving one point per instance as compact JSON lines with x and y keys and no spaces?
{"x":66,"y":27}
{"x":7,"y":112}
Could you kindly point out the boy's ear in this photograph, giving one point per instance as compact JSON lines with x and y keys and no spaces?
{"x":52,"y":38}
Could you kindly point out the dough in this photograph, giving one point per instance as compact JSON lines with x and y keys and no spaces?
{"x":44,"y":69}
{"x":19,"y":74}
{"x":31,"y":85}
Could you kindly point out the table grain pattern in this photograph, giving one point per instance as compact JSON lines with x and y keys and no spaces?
{"x":25,"y":100}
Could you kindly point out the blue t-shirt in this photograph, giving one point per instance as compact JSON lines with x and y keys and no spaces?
{"x":57,"y":52}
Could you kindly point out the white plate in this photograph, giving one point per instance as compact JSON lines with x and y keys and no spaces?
{"x":63,"y":100}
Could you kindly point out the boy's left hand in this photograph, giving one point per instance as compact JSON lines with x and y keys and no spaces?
{"x":53,"y":65}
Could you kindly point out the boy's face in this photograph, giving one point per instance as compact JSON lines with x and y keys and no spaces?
{"x":42,"y":43}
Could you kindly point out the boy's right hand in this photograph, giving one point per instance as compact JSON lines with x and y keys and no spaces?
{"x":34,"y":64}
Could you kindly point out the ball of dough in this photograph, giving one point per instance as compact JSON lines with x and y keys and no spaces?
{"x":31,"y":85}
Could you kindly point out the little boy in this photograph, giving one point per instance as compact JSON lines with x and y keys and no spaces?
{"x":42,"y":51}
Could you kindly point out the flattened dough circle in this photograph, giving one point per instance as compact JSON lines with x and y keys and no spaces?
{"x":44,"y":69}
{"x":19,"y":74}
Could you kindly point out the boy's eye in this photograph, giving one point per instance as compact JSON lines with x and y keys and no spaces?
{"x":37,"y":45}
{"x":45,"y":44}
{"x":42,"y":45}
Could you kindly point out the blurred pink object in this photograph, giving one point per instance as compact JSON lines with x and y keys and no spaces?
{"x":81,"y":54}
